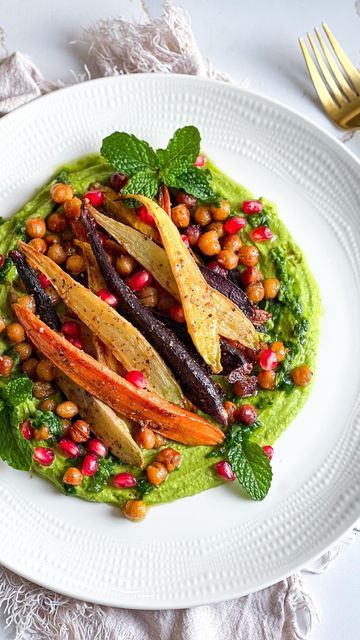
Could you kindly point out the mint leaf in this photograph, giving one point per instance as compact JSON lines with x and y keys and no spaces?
{"x":194,"y":181}
{"x":183,"y":147}
{"x":128,"y":154}
{"x":144,"y":182}
{"x":17,"y":404}
{"x":251,"y":466}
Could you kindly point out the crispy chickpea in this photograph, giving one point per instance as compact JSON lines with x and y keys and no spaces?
{"x":159,"y":441}
{"x":28,"y":302}
{"x":15,"y":332}
{"x":76,"y":264}
{"x":73,"y":477}
{"x":221,"y":212}
{"x":149,"y":297}
{"x":170,"y":458}
{"x":67,"y":409}
{"x":69,"y":248}
{"x":125,"y":265}
{"x":56,"y":253}
{"x":29,"y":367}
{"x":255,"y":292}
{"x":65,"y":426}
{"x":145,"y":438}
{"x":301,"y":375}
{"x":24,"y":350}
{"x":180,"y":216}
{"x":209,"y":244}
{"x":232,"y":243}
{"x":250,"y":275}
{"x":165,"y":303}
{"x":61,"y":192}
{"x":42,"y":390}
{"x":53,"y":295}
{"x":248,"y":255}
{"x":56,"y":222}
{"x":42,"y":433}
{"x":266,"y":379}
{"x":185,"y":198}
{"x":47,"y":405}
{"x":45,"y":371}
{"x":202,"y":215}
{"x":6,"y":365}
{"x":72,"y":208}
{"x":271,"y":288}
{"x":35,"y":228}
{"x":156,"y":473}
{"x":230,"y":409}
{"x":80,"y":431}
{"x":193,"y":233}
{"x":218,"y":227}
{"x":278,"y":348}
{"x":2,"y":325}
{"x":227,"y":259}
{"x":134,"y":510}
{"x":38,"y":244}
{"x":52,"y":238}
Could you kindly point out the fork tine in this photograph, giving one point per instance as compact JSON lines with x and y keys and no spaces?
{"x":327,"y":100}
{"x":343,"y":83}
{"x":342,"y":57}
{"x":325,"y":71}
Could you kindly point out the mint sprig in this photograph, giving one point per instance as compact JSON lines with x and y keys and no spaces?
{"x":16,"y":404}
{"x":249,"y":462}
{"x":147,"y":168}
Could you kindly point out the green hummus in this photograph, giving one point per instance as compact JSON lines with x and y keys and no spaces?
{"x":295,"y":321}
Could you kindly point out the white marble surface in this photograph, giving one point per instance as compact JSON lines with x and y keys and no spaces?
{"x":255,"y":41}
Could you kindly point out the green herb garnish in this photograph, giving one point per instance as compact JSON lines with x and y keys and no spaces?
{"x":99,"y":481}
{"x":48,"y":419}
{"x":16,"y":405}
{"x":249,"y":462}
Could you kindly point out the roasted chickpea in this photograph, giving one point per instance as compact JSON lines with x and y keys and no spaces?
{"x":61,"y":192}
{"x":28,"y":302}
{"x":202,"y":215}
{"x":145,"y":438}
{"x":255,"y":292}
{"x":227,"y":259}
{"x":134,"y":510}
{"x":72,"y":208}
{"x":24,"y":350}
{"x":232,"y":243}
{"x":156,"y":473}
{"x":170,"y":458}
{"x":66,"y":424}
{"x":180,"y":216}
{"x":301,"y":375}
{"x":250,"y":275}
{"x":47,"y":405}
{"x":35,"y":228}
{"x":56,"y":222}
{"x":45,"y":371}
{"x":6,"y":366}
{"x":125,"y":265}
{"x":38,"y":244}
{"x":230,"y":409}
{"x":271,"y":288}
{"x":218,"y":227}
{"x":208,"y":243}
{"x":246,"y":414}
{"x":2,"y":325}
{"x":56,"y":253}
{"x":266,"y":379}
{"x":185,"y":198}
{"x":67,"y":409}
{"x":221,"y":212}
{"x":149,"y":297}
{"x":52,"y":238}
{"x":248,"y":255}
{"x":73,"y":477}
{"x":29,"y":367}
{"x":42,"y":433}
{"x":193,"y":233}
{"x":76,"y":264}
{"x":42,"y":390}
{"x":159,"y":441}
{"x":80,"y":431}
{"x":69,"y":248}
{"x":15,"y":332}
{"x":278,"y":348}
{"x":53,"y":295}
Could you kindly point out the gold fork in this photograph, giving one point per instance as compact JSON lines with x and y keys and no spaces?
{"x":337,"y":81}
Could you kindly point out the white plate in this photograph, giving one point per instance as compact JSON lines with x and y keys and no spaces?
{"x":215,"y":545}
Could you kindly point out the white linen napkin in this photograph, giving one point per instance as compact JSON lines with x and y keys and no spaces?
{"x":283,"y":611}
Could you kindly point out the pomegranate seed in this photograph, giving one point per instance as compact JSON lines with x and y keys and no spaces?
{"x":136,"y":378}
{"x":234,"y":224}
{"x":96,"y":197}
{"x":251,"y":206}
{"x":27,"y":430}
{"x":71,"y":329}
{"x":269,"y":451}
{"x":145,"y":216}
{"x":246,"y":414}
{"x":1,"y":260}
{"x":215,"y":266}
{"x":108,"y":297}
{"x":200,"y":161}
{"x":69,"y":448}
{"x":97,"y":447}
{"x":260,"y":234}
{"x":44,"y":456}
{"x":90,"y":465}
{"x":185,"y":240}
{"x":268,"y":360}
{"x":176,"y":312}
{"x":224,"y":470}
{"x":118,"y":181}
{"x":140,"y":280}
{"x":77,"y":343}
{"x":124,"y":480}
{"x":44,"y":281}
